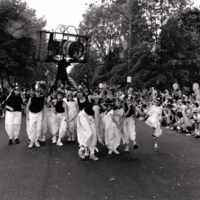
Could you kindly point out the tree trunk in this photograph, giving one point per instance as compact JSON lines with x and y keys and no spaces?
{"x":9,"y":82}
{"x":2,"y":86}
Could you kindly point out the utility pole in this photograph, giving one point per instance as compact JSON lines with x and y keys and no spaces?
{"x":129,"y":42}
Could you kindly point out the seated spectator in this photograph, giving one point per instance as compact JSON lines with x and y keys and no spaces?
{"x":168,"y":116}
{"x":183,"y":123}
{"x":196,"y":119}
{"x":183,"y":107}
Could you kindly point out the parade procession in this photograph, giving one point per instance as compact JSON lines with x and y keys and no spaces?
{"x":101,"y":116}
{"x":99,"y":99}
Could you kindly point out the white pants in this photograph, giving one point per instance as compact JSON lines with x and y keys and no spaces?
{"x":27,"y":126}
{"x":34,"y":126}
{"x":112,"y":137}
{"x":102,"y":125}
{"x":72,"y":127}
{"x":49,"y":114}
{"x":13,"y":124}
{"x":44,"y":122}
{"x":59,"y":125}
{"x":86,"y":131}
{"x":129,"y":130}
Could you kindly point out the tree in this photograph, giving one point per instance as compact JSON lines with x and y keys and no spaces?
{"x":103,"y":25}
{"x":176,"y":56}
{"x":164,"y":48}
{"x":17,"y":53}
{"x":84,"y":73}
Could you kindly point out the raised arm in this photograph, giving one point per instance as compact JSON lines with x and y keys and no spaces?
{"x":48,"y":101}
{"x":97,"y":97}
{"x":126,"y":112}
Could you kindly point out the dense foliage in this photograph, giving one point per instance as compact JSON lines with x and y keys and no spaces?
{"x":164,"y":42}
{"x":17,"y":63}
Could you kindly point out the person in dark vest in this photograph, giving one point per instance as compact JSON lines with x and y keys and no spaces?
{"x":59,"y":117}
{"x":88,"y":129}
{"x":85,"y":99}
{"x":35,"y":116}
{"x":13,"y":115}
{"x":129,"y":132}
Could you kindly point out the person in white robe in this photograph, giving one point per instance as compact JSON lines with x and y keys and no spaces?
{"x":154,"y":121}
{"x":113,"y":124}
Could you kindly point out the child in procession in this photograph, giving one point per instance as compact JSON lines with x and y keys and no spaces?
{"x":35,"y":117}
{"x":113,"y":124}
{"x":59,"y":118}
{"x":129,"y":132}
{"x":154,"y":121}
{"x":73,"y":113}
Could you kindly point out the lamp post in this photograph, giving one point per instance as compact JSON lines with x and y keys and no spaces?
{"x":129,"y":43}
{"x":129,"y":18}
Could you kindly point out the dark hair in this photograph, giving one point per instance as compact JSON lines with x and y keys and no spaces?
{"x":53,"y":88}
{"x":115,"y":107}
{"x":59,"y":92}
{"x":196,"y":104}
{"x":179,"y":114}
{"x":80,"y":91}
{"x":108,"y":101}
{"x":170,"y":101}
{"x":144,"y":106}
{"x":184,"y":102}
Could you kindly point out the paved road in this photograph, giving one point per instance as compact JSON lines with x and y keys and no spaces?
{"x":52,"y":172}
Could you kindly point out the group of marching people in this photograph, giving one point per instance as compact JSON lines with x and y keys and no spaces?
{"x":91,"y":118}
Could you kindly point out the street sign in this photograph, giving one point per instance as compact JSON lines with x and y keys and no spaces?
{"x":128,"y":79}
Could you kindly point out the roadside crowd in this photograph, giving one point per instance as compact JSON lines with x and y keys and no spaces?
{"x":180,"y":112}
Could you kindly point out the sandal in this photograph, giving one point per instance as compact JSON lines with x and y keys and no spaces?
{"x":155,"y":149}
{"x":153,"y":135}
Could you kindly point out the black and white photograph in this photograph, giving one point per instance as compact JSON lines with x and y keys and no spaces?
{"x":99,"y":99}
